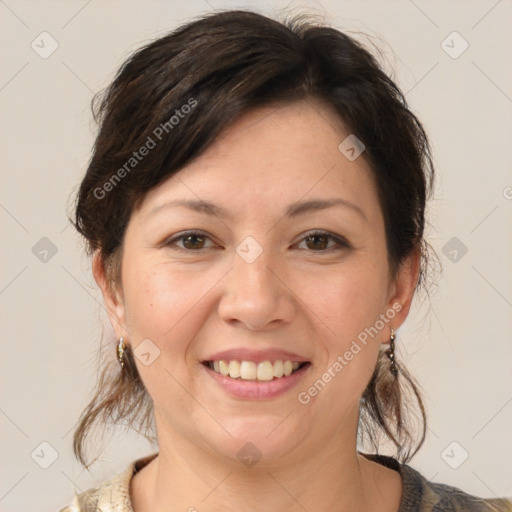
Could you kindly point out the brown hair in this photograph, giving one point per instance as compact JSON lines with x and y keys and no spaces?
{"x":191,"y":84}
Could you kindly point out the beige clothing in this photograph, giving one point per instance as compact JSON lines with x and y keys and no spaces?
{"x":419,"y":495}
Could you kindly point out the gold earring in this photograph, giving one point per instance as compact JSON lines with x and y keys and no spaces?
{"x":391,"y":354}
{"x":120,"y":351}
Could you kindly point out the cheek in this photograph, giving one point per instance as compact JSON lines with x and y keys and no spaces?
{"x":349,"y":304}
{"x":347,"y":299}
{"x":158,"y":299}
{"x":164,"y":307}
{"x":349,"y":355}
{"x":170,"y":306}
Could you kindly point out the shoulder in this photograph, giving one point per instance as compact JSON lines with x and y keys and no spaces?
{"x":421,"y":495}
{"x":448,"y":498}
{"x":85,"y":501}
{"x":113,"y":494}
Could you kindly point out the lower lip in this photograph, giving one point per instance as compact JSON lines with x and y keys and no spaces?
{"x":258,"y":390}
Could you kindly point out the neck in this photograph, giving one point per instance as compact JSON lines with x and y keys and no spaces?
{"x":328,"y":476}
{"x":338,"y":485}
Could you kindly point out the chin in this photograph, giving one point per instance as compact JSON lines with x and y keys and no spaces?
{"x":260,"y":441}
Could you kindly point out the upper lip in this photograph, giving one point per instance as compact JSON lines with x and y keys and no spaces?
{"x":257,"y":356}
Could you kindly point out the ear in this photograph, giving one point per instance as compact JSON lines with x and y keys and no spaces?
{"x":403,"y":287}
{"x":113,"y":300}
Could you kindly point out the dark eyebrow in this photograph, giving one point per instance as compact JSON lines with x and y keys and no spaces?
{"x":293,"y":210}
{"x":191,"y":204}
{"x":300,"y":208}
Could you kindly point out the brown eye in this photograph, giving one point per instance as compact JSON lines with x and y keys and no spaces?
{"x":191,"y":241}
{"x":317,"y":241}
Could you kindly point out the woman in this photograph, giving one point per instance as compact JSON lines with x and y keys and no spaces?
{"x":255,"y":209}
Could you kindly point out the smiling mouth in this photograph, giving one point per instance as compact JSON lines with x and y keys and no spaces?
{"x":250,"y":371}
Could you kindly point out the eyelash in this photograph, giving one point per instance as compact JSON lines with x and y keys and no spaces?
{"x":340,"y":241}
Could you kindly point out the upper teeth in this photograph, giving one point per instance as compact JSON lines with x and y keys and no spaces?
{"x":249,"y":370}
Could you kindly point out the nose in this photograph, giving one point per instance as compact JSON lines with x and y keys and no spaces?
{"x":256,"y":294}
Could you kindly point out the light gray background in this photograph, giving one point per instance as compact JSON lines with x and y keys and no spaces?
{"x":459,"y":347}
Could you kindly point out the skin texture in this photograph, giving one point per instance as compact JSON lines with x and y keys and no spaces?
{"x":294,"y":296}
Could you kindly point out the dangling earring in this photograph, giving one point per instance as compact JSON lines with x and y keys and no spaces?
{"x":391,"y":354}
{"x":120,"y":351}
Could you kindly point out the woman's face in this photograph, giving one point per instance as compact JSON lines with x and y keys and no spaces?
{"x":253,"y":282}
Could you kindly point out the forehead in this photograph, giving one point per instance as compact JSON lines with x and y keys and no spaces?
{"x":271,"y":155}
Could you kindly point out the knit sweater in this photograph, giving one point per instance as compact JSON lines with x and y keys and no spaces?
{"x":419,"y":495}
